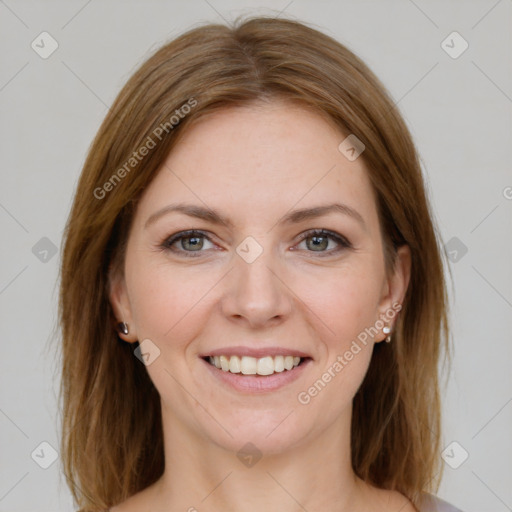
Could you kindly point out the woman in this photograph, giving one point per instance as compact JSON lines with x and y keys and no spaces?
{"x":252,"y":299}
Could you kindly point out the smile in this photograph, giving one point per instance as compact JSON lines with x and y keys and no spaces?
{"x":255,"y":375}
{"x":246,"y":365}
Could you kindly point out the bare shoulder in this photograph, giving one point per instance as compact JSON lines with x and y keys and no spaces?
{"x":137,"y":503}
{"x":393,"y":501}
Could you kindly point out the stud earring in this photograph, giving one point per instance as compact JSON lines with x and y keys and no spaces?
{"x":387,"y":330}
{"x":122,"y":327}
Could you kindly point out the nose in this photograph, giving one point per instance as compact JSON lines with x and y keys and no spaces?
{"x":257,"y":293}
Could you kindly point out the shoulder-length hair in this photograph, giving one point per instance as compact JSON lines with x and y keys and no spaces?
{"x":112,"y":440}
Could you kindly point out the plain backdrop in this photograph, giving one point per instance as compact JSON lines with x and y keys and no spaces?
{"x":458,"y":108}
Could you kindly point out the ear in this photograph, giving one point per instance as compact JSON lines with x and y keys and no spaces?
{"x":395,"y":287}
{"x":118,"y":296}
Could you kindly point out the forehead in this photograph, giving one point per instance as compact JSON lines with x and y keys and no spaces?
{"x":263,"y":158}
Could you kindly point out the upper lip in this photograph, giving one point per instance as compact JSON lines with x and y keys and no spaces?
{"x":255,"y":352}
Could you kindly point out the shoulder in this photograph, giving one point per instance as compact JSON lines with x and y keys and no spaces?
{"x":136,"y":503}
{"x":431,"y":503}
{"x":385,"y":500}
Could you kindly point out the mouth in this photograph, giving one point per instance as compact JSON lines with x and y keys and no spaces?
{"x":253,"y":370}
{"x":255,"y":375}
{"x":256,"y":366}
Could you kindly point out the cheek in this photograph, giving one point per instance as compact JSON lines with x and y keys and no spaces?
{"x":344,"y":300}
{"x":167,"y":303}
{"x":345,"y":309}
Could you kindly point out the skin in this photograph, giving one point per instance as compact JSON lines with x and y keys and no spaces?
{"x":254,"y":165}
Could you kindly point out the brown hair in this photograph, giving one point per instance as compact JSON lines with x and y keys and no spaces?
{"x":112,"y":441}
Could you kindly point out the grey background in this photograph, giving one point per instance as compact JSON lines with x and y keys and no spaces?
{"x":459,"y":112}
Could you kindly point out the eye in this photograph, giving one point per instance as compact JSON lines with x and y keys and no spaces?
{"x":318,"y":240}
{"x":191,"y":241}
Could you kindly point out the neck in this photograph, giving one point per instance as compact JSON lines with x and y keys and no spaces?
{"x":203,"y":476}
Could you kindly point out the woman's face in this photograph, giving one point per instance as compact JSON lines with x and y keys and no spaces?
{"x":254,"y":280}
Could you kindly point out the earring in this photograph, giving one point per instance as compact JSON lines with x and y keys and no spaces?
{"x":387,"y":330}
{"x":122,"y":327}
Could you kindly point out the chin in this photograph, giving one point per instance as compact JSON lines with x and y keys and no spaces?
{"x":269,"y":433}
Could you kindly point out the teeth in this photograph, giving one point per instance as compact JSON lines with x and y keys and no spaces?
{"x":265,"y":366}
{"x":234,"y":364}
{"x":278,"y":363}
{"x":246,"y":365}
{"x":224,"y":363}
{"x":249,"y":365}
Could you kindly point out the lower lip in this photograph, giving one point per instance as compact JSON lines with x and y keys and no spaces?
{"x":258,"y":383}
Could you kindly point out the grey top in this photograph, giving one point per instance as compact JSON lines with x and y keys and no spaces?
{"x":432,"y":503}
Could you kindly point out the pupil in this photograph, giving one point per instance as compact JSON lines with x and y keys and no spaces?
{"x":317,"y":241}
{"x":196,"y":242}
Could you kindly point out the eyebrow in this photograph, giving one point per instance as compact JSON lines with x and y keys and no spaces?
{"x":293,"y":217}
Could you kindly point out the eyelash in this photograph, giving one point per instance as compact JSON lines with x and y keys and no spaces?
{"x":194,"y":233}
